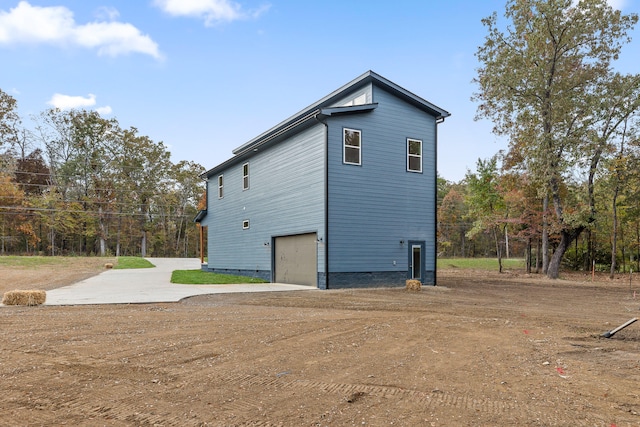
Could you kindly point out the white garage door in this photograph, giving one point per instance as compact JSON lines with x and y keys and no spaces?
{"x":296,"y":259}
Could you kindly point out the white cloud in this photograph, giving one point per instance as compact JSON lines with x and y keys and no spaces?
{"x":115,"y":38}
{"x":56,"y":25}
{"x":104,"y":111}
{"x":67,"y":102}
{"x":107,"y":13}
{"x":212,"y":11}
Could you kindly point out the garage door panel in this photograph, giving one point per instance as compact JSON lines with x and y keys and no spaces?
{"x":296,"y":259}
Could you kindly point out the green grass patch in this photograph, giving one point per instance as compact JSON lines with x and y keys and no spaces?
{"x":126,"y":262}
{"x":479,"y":263}
{"x":31,"y":261}
{"x":199,"y":277}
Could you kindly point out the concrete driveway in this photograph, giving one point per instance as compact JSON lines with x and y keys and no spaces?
{"x":149,"y":285}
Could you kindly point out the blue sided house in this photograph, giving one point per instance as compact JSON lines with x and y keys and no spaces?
{"x":341,"y":194}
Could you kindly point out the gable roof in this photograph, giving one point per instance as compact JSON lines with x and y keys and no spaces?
{"x":303,"y":118}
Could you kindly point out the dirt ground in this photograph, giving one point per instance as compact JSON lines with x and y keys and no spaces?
{"x":480,"y":349}
{"x":61,"y":271}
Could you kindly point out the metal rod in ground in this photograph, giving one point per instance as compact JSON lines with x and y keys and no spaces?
{"x":610,"y":333}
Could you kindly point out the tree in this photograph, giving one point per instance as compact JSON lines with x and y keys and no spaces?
{"x":486,"y":204}
{"x":538,"y":82}
{"x":81,"y":146}
{"x":452,"y":225}
{"x":9,"y":119}
{"x":144,"y":167}
{"x":32,"y":173}
{"x":80,"y":184}
{"x":524,"y":212}
{"x":187,"y":187}
{"x":12,"y":214}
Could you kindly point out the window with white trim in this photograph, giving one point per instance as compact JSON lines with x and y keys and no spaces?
{"x":220,"y":186}
{"x":245,"y":224}
{"x":352,"y":140}
{"x":360,"y":100}
{"x":245,"y":176}
{"x":414,"y":155}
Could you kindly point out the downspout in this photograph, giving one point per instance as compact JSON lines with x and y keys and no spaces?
{"x":439,"y":119}
{"x":326,"y":199}
{"x":206,"y":190}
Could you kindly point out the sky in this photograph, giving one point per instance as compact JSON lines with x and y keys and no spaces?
{"x":206,"y":76}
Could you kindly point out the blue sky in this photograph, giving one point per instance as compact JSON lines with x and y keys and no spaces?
{"x":206,"y":76}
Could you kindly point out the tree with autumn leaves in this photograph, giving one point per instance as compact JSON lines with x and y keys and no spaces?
{"x":78,"y":183}
{"x":546,"y":81}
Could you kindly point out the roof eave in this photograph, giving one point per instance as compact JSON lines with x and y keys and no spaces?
{"x":319,"y":107}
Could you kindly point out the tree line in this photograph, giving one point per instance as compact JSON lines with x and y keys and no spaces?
{"x":568,"y":183}
{"x":76,"y":183}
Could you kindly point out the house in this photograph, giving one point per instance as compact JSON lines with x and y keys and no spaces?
{"x":341,"y":194}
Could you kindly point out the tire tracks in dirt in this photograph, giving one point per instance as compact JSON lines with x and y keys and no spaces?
{"x":537,"y":413}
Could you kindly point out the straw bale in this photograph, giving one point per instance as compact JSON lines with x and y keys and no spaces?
{"x":413,"y":285}
{"x":108,"y":265}
{"x":29,"y":297}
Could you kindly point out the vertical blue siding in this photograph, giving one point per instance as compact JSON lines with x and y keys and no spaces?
{"x":374,"y":206}
{"x":286,"y":196}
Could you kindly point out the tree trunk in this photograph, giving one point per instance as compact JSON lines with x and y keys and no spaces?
{"x":538,"y":250}
{"x":143,"y":244}
{"x":498,"y":251}
{"x":506,"y":241}
{"x":103,"y":233}
{"x":623,"y":250}
{"x":566,"y":237}
{"x":463,"y":243}
{"x":52,"y":239}
{"x":637,"y":247}
{"x":528,"y":255}
{"x":588,"y":258}
{"x":614,"y":236}
{"x":545,"y":235}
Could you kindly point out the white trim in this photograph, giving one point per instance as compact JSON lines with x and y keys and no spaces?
{"x":352,"y":147}
{"x":409,"y":155}
{"x":245,"y":178}
{"x":220,"y":186}
{"x":245,"y":224}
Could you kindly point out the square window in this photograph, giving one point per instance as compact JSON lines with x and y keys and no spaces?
{"x":245,"y":224}
{"x":352,"y":146}
{"x":245,"y":176}
{"x":414,"y":155}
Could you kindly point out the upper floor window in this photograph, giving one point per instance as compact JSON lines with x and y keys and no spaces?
{"x":220,"y":186}
{"x":414,"y":155}
{"x":245,"y":176}
{"x":360,"y":100}
{"x":352,"y":146}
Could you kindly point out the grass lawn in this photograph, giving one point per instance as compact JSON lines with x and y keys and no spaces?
{"x":125,"y":262}
{"x":31,"y":261}
{"x":35,"y":261}
{"x":199,"y":277}
{"x":479,"y":263}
